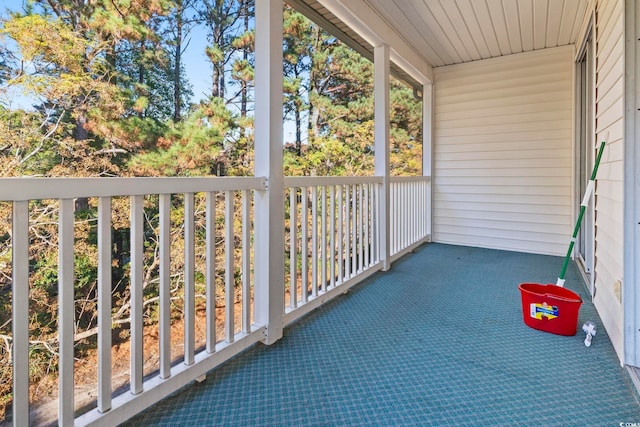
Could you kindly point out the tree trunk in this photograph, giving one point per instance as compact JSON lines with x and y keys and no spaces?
{"x":221,"y":77}
{"x":80,"y":133}
{"x":298,"y":131}
{"x":216,"y":90}
{"x":314,"y":113}
{"x":112,"y":60}
{"x":245,"y":57}
{"x":141,"y":72}
{"x":177,"y":88}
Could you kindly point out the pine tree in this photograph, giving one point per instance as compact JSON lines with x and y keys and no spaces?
{"x":297,"y":64}
{"x":192,"y":147}
{"x":179,"y":22}
{"x":244,"y":71}
{"x":223,"y":21}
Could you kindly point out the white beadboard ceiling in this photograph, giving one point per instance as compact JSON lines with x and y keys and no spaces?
{"x":446,"y":32}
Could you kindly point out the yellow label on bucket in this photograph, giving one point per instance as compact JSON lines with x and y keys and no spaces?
{"x":538,"y":311}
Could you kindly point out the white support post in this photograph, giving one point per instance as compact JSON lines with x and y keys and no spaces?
{"x":314,"y":241}
{"x":246,"y":261}
{"x":340,"y":258}
{"x":631,"y":288}
{"x":354,"y":229}
{"x":323,"y":239}
{"x":137,"y":295}
{"x":269,"y":204}
{"x":348,"y":253}
{"x":104,"y":304}
{"x":20,"y":312}
{"x":359,"y":238}
{"x":189,"y":280}
{"x":381,"y":136}
{"x":229,"y":267}
{"x":66,"y":312}
{"x":304,"y":232}
{"x":293,"y":227}
{"x":165,"y":286}
{"x":211,"y":271}
{"x":427,"y":152}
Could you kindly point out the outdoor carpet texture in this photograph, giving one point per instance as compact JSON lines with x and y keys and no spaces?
{"x":438,"y":339}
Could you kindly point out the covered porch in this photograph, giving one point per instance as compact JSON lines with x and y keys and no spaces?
{"x":437,"y":340}
{"x":427,"y":332}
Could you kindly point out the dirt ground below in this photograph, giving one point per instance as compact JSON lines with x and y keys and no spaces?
{"x":44,"y":394}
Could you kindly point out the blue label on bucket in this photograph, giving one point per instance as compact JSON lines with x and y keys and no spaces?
{"x":538,"y":311}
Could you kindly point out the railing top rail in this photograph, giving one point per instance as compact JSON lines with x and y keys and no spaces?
{"x":410,"y":178}
{"x":19,"y":189}
{"x":314,"y":181}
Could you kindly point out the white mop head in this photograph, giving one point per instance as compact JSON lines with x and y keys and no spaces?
{"x":590,"y":329}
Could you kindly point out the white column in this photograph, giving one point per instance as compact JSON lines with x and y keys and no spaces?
{"x":269,"y":204}
{"x":381,"y":137}
{"x":427,"y":151}
{"x":631,"y":287}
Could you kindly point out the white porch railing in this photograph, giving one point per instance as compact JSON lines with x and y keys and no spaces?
{"x":410,"y":207}
{"x":332,"y":238}
{"x":219,"y":197}
{"x":332,"y":233}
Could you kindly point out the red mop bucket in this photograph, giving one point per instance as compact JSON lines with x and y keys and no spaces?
{"x":550,"y":308}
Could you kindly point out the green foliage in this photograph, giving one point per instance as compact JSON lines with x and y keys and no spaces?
{"x":146,"y":70}
{"x":65,"y":63}
{"x":45,"y":273}
{"x":189,"y":148}
{"x":86,"y":271}
{"x":406,"y":131}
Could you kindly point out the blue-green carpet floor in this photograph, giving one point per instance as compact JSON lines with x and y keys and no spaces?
{"x":437,"y":340}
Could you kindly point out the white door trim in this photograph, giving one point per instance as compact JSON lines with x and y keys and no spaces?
{"x":584,"y":153}
{"x":631,"y":286}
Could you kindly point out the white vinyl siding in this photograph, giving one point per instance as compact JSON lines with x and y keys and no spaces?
{"x":609,"y":190}
{"x":503,"y":152}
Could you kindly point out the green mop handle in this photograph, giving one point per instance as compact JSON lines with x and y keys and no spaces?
{"x":583,"y":207}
